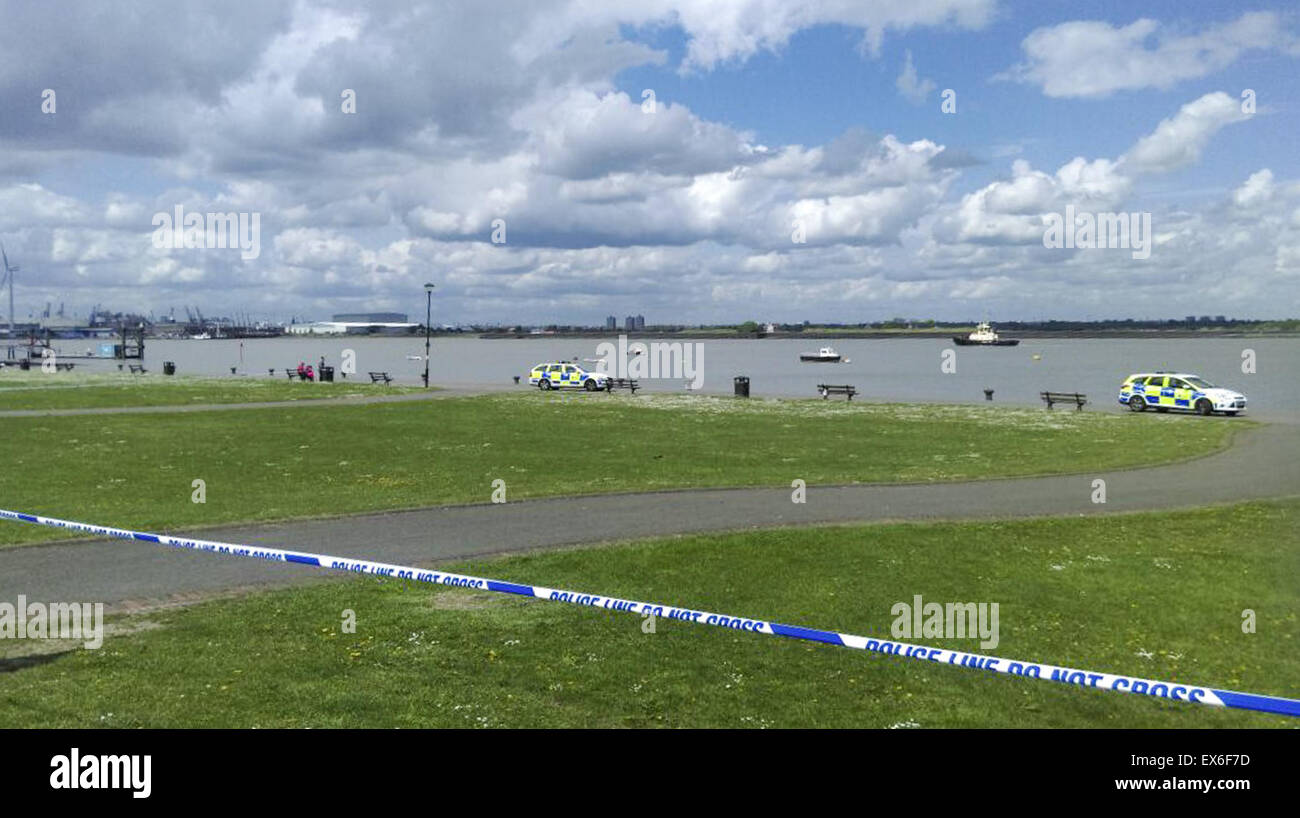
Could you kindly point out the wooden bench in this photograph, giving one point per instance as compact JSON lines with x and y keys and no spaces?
{"x":828,"y":389}
{"x":621,"y":383}
{"x":1064,"y":397}
{"x":137,"y":369}
{"x":376,"y":377}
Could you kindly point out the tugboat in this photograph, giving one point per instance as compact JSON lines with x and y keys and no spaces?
{"x":825,"y":355}
{"x":984,"y":336}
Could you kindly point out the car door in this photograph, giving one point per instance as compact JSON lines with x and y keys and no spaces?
{"x":1181,"y":391}
{"x":570,"y":375}
{"x":1166,"y":393}
{"x":1154,"y":390}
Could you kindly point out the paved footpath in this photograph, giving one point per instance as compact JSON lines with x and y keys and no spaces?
{"x":1262,"y":462}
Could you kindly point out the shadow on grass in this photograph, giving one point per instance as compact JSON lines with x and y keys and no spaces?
{"x":14,"y":664}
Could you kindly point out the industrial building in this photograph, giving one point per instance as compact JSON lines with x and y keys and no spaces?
{"x":371,"y":318}
{"x":353,"y":328}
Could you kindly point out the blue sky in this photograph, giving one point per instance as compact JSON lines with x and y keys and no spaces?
{"x":771,"y":116}
{"x":820,"y":85}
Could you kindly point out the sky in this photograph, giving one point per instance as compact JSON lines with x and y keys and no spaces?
{"x":557,"y":161}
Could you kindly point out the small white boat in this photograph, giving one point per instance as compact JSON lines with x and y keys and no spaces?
{"x":984,"y":336}
{"x":825,"y":355}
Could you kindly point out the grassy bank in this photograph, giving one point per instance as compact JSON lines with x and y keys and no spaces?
{"x":74,"y":390}
{"x":1157,"y":595}
{"x":138,"y":470}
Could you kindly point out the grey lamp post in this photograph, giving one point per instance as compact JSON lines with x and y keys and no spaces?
{"x":428,"y":316}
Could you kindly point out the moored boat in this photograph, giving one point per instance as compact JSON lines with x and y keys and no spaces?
{"x":984,"y":336}
{"x":825,"y":355}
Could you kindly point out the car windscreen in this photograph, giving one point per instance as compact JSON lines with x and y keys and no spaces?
{"x":1200,"y":383}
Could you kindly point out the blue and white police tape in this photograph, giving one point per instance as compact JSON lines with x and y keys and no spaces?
{"x":1030,"y":670}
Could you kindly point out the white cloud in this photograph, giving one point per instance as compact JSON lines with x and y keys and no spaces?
{"x":585,"y":135}
{"x":878,"y":216}
{"x":721,"y":31}
{"x":30,"y":204}
{"x":322,"y":249}
{"x":1287,"y":259}
{"x":1094,"y":59}
{"x":1256,"y":190}
{"x":1180,"y":139}
{"x":913,"y":88}
{"x":1097,"y":183}
{"x":1010,"y":211}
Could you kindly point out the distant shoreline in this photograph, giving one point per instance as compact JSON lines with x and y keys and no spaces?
{"x":946,"y":335}
{"x":707,"y":335}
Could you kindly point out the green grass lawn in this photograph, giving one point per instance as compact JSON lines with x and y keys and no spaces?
{"x":1157,"y":595}
{"x":76,"y":390}
{"x":137,"y":470}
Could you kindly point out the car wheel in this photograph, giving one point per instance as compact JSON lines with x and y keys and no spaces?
{"x":1204,"y":407}
{"x":544,"y":385}
{"x":590,"y":385}
{"x":1137,"y":404}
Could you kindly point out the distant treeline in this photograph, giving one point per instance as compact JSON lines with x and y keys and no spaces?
{"x":1191,"y":322}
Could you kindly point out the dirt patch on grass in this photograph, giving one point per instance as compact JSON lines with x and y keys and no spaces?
{"x":18,"y":653}
{"x":465,"y":601}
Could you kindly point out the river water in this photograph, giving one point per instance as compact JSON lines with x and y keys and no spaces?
{"x":881,"y":369}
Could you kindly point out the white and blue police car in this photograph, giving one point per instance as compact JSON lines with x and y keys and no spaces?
{"x":1180,"y":392}
{"x":560,"y":375}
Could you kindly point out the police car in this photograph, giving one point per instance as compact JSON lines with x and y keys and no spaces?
{"x":1163,"y":391}
{"x":560,"y":375}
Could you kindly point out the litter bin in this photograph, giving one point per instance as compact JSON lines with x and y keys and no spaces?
{"x":169,"y":367}
{"x":327,"y":374}
{"x":25,"y":363}
{"x":742,"y":386}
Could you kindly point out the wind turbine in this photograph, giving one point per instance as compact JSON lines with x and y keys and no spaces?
{"x":9,"y":276}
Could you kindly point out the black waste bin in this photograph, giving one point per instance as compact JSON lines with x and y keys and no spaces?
{"x":25,"y":363}
{"x":327,"y":374}
{"x":169,"y":367}
{"x":742,"y":386}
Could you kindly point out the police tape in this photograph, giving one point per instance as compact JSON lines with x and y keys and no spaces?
{"x":1029,"y":670}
